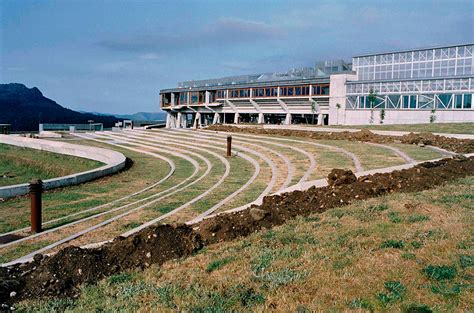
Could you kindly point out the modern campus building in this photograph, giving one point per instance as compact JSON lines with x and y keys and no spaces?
{"x":403,"y":87}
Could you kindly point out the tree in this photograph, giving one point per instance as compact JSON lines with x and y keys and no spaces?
{"x":372,"y":97}
{"x":338,"y":106}
{"x":382,"y":115}
{"x":313,"y":109}
{"x":433,"y":116}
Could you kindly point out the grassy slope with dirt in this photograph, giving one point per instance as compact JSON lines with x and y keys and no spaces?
{"x":20,"y":165}
{"x":448,"y":128}
{"x":393,"y":252}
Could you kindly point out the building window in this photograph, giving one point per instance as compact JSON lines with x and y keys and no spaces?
{"x":221,"y":94}
{"x":202,"y":96}
{"x":305,"y":91}
{"x":297,"y":91}
{"x":183,"y":98}
{"x":194,"y":96}
{"x":467,"y":101}
{"x":405,"y":101}
{"x":274,"y":91}
{"x":458,"y":101}
{"x":443,"y":101}
{"x":412,"y":102}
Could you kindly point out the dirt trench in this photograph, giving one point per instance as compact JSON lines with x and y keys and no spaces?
{"x":61,"y":274}
{"x":364,"y":135}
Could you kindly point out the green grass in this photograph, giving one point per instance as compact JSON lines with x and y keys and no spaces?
{"x":371,"y":157}
{"x":450,"y":128}
{"x":322,"y":262}
{"x":14,"y":213}
{"x":21,"y":165}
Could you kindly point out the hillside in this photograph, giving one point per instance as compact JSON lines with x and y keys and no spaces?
{"x":24,"y":108}
{"x":145,"y":116}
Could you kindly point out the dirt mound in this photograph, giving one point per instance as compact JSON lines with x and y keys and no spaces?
{"x":341,"y":177}
{"x":365,"y":135}
{"x":277,"y":209}
{"x":62,"y":273}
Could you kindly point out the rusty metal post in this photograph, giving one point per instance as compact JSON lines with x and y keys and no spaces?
{"x":229,"y":146}
{"x":36,"y":189}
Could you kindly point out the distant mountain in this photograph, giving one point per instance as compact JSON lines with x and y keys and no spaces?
{"x":139,"y":116}
{"x":145,"y":116}
{"x":24,"y":108}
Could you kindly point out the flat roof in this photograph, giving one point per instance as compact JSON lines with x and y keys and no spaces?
{"x":415,"y":49}
{"x":286,"y":82}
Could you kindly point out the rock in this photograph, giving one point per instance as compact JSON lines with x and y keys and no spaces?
{"x":13,"y":294}
{"x":341,"y":177}
{"x":257,"y":214}
{"x":37,"y":257}
{"x":148,"y":254}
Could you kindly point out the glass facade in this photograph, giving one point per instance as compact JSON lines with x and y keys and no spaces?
{"x":445,"y":101}
{"x":439,"y":62}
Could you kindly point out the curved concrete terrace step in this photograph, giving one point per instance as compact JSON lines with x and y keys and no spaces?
{"x":114,"y":162}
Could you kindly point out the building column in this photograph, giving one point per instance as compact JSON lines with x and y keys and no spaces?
{"x":320,"y":119}
{"x":197,"y":120}
{"x":261,"y":118}
{"x":173,"y":99}
{"x":236,"y":118}
{"x":217,"y":118}
{"x":180,"y":119}
{"x":288,"y":119}
{"x":207,"y":97}
{"x":171,"y":120}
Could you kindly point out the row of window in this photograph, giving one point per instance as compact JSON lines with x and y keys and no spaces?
{"x":417,"y":70}
{"x":414,"y":56}
{"x":287,"y":91}
{"x":426,"y":102}
{"x":438,"y":85}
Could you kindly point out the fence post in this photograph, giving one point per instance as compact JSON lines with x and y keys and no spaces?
{"x":36,"y":189}
{"x":229,"y":146}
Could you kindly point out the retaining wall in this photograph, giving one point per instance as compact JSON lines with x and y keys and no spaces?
{"x":114,"y":162}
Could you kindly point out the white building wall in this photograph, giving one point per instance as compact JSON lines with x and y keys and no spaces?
{"x":362,"y":117}
{"x":337,"y":95}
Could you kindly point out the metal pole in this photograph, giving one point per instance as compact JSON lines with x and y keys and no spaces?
{"x":36,"y":189}
{"x":229,"y":146}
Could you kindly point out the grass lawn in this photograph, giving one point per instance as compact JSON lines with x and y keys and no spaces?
{"x":20,"y":165}
{"x":371,"y":157}
{"x":14,"y":213}
{"x":449,"y":128}
{"x":393,"y":253}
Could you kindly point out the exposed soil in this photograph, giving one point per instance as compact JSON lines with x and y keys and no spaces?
{"x":62,"y":274}
{"x":365,"y":135}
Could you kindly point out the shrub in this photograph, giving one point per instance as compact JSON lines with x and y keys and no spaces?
{"x":409,"y":256}
{"x":394,"y":217}
{"x":417,"y":218}
{"x":120,"y":278}
{"x":360,"y":303}
{"x":396,"y":244}
{"x":440,"y":272}
{"x":445,"y":290}
{"x":416,"y":244}
{"x":466,"y":260}
{"x":395,"y":289}
{"x":217,"y":264}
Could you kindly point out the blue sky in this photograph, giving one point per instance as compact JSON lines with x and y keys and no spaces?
{"x":114,"y":56}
